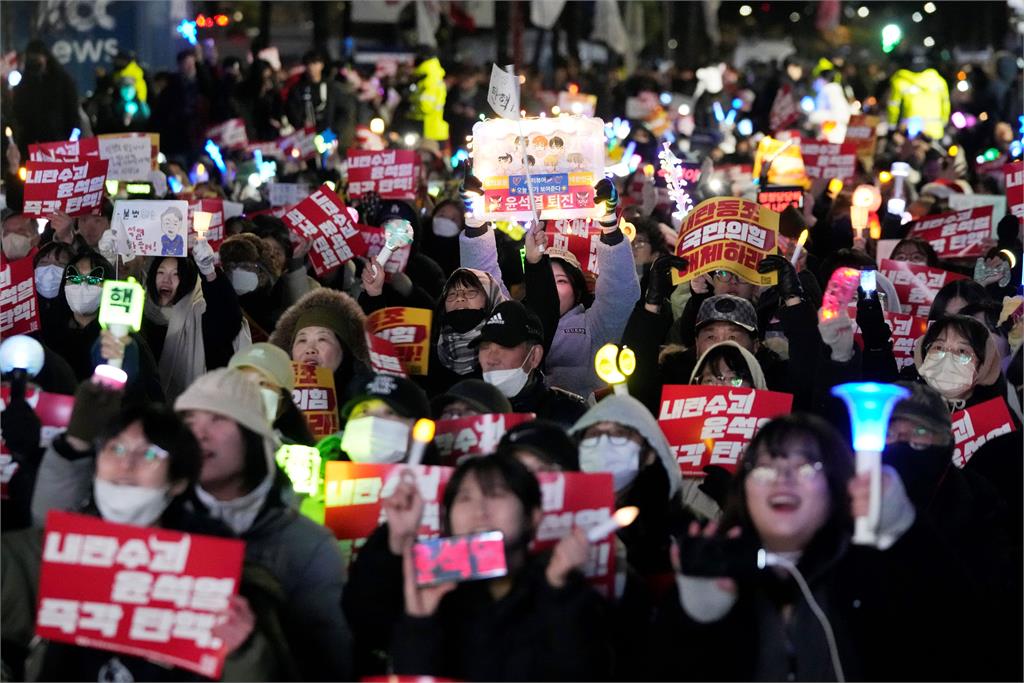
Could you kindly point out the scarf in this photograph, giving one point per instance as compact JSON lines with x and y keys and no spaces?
{"x":240,"y":513}
{"x":184,"y":354}
{"x":453,"y":347}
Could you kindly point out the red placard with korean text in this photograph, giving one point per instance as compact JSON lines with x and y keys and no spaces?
{"x":76,"y":188}
{"x":1013,"y":175}
{"x":905,"y":329}
{"x":916,"y":284}
{"x":734,"y":234}
{"x":391,"y":173}
{"x":321,"y":218}
{"x":19,"y":309}
{"x":383,"y":356}
{"x":712,"y":425}
{"x":956,"y":234}
{"x":409,"y":330}
{"x":141,"y":591}
{"x":229,"y":135}
{"x":65,"y":150}
{"x":975,"y":426}
{"x":352,"y":500}
{"x":572,"y":500}
{"x":785,"y":110}
{"x":476,"y":435}
{"x":315,"y":396}
{"x":826,"y":160}
{"x":862,"y":131}
{"x":584,"y":248}
{"x":215,"y":233}
{"x":778,"y":197}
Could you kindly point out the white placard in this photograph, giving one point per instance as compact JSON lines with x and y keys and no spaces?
{"x":503,"y":93}
{"x":129,"y":158}
{"x":147,"y":227}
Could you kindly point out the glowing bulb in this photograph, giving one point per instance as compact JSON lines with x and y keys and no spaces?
{"x":929,"y":7}
{"x":556,"y":110}
{"x":23,"y":174}
{"x":606,"y":366}
{"x":14,"y":78}
{"x":917,"y":17}
{"x":963,"y":86}
{"x":928,"y":41}
{"x":111,"y":186}
{"x":958,"y":119}
{"x":21,"y":352}
{"x":715,"y":185}
{"x":254,"y":180}
{"x":746,"y":10}
{"x":684,"y":109}
{"x":863,"y":12}
{"x":377,"y":126}
{"x":884,"y":177}
{"x":410,"y":139}
{"x":953,"y":150}
{"x":423,"y":430}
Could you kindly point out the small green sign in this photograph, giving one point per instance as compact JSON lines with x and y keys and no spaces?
{"x":122,"y":304}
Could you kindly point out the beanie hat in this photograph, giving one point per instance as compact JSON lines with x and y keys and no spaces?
{"x":926,"y":407}
{"x":317,"y":316}
{"x":269,"y":360}
{"x":478,"y":394}
{"x":228,"y":392}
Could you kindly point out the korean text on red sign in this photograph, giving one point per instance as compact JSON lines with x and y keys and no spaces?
{"x":778,"y":197}
{"x":375,"y":240}
{"x":229,"y":135}
{"x":1013,"y":174}
{"x":957,"y":234}
{"x":65,"y":150}
{"x":72,"y":187}
{"x":393,"y":173}
{"x":383,"y":356}
{"x":477,"y":435}
{"x":409,"y":330}
{"x":584,"y":248}
{"x":19,"y":309}
{"x":825,"y":160}
{"x":905,"y":329}
{"x":712,"y":425}
{"x":322,"y":219}
{"x":353,"y":494}
{"x":977,"y":425}
{"x":140,"y":591}
{"x":315,"y":396}
{"x":916,"y":284}
{"x":577,"y":500}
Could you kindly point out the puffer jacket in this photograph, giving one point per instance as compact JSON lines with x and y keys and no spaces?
{"x":429,"y":98}
{"x":920,"y":95}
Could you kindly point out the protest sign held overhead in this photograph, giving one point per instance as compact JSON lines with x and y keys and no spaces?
{"x":862,"y":131}
{"x":19,"y":309}
{"x":71,"y":187}
{"x":730,"y":234}
{"x":825,"y":160}
{"x":503,"y":92}
{"x":130,"y":156}
{"x":916,"y":284}
{"x":151,"y":227}
{"x":956,"y":234}
{"x":393,"y":173}
{"x":783,"y":160}
{"x":778,"y":197}
{"x":321,"y":218}
{"x":287,"y":194}
{"x":461,"y":437}
{"x":229,"y":135}
{"x":214,"y":232}
{"x":65,"y":150}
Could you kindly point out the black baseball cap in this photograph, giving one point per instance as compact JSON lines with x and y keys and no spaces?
{"x":483,"y":397}
{"x":403,"y":395}
{"x":510,"y":324}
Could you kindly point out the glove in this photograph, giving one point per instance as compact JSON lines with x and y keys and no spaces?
{"x":470,"y":189}
{"x":789,"y":283}
{"x":22,"y":428}
{"x":716,"y":483}
{"x":605,"y":192}
{"x":873,"y":328}
{"x":95,"y":406}
{"x":659,"y":282}
{"x":837,"y":332}
{"x":369,"y":208}
{"x":202,"y":254}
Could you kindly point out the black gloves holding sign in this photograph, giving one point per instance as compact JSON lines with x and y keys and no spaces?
{"x":789,"y":282}
{"x":659,"y":282}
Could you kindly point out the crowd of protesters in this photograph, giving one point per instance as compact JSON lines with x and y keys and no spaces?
{"x":188,"y":444}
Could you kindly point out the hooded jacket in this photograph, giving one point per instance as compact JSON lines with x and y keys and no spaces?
{"x":923,"y":95}
{"x":429,"y":98}
{"x":752,"y":365}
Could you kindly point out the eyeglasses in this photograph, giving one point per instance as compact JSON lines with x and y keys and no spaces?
{"x":617,"y":436}
{"x":149,"y":455}
{"x":764,"y":475}
{"x":466,"y":294}
{"x":960,"y":356}
{"x":722,"y":381}
{"x":640,"y":244}
{"x":725,"y":276}
{"x":75,"y":278}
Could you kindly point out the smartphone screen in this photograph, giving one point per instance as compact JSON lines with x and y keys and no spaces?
{"x":459,"y":558}
{"x":867,"y":281}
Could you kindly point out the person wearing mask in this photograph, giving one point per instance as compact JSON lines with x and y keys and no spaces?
{"x":539,"y":622}
{"x":45,"y":102}
{"x":50,"y":263}
{"x":510,"y":347}
{"x":19,"y":236}
{"x":379,"y":421}
{"x":325,"y":328}
{"x":440,"y":241}
{"x":469,"y":398}
{"x":251,"y":268}
{"x":271,"y":369}
{"x":191,"y":319}
{"x":145,"y":462}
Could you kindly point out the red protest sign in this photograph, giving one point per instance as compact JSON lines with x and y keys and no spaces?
{"x":712,"y":425}
{"x":915,"y":284}
{"x":215,"y":207}
{"x":778,"y":197}
{"x":862,"y":131}
{"x":576,"y":500}
{"x":474,"y":435}
{"x":584,"y":248}
{"x":785,"y":110}
{"x":19,"y":310}
{"x":392,"y":173}
{"x":375,"y":239}
{"x":315,"y":396}
{"x":322,"y":219}
{"x":299,"y":146}
{"x":352,"y":500}
{"x":956,"y":234}
{"x":383,"y":356}
{"x":905,"y":329}
{"x":408,"y":329}
{"x":723,"y":232}
{"x":1013,"y":175}
{"x":229,"y":135}
{"x":65,"y":150}
{"x":975,"y":426}
{"x":75,"y":188}
{"x":141,"y":591}
{"x":826,"y":160}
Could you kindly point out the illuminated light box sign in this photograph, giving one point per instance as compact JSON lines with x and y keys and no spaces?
{"x":778,"y":197}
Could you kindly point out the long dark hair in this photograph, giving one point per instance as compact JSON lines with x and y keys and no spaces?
{"x":187,"y":275}
{"x":970,"y":291}
{"x":60,"y":310}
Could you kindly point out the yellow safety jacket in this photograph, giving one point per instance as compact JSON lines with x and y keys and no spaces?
{"x":923,"y":95}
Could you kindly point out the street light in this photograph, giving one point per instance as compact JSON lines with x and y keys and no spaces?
{"x":892,"y":34}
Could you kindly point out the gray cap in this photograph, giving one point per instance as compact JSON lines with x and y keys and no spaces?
{"x":730,"y":309}
{"x":924,"y":406}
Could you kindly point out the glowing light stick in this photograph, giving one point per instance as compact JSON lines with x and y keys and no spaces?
{"x":799,"y":247}
{"x":897,"y":203}
{"x":615,"y":366}
{"x":839,"y":291}
{"x":302,"y":465}
{"x":623,"y":517}
{"x":675,"y":183}
{"x":121,"y":305}
{"x":422,"y":434}
{"x":201,"y":223}
{"x":397,"y":234}
{"x":870,"y":405}
{"x":866,"y":198}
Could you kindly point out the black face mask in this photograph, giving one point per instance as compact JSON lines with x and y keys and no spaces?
{"x":921,"y":470}
{"x":464,"y":319}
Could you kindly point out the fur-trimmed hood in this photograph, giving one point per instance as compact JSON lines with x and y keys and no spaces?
{"x":350,"y":321}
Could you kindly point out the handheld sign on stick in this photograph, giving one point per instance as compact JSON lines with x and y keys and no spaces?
{"x":201,"y":223}
{"x":121,"y":309}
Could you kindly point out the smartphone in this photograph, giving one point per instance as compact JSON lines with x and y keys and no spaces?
{"x":868,"y":283}
{"x":459,"y":558}
{"x":715,"y":556}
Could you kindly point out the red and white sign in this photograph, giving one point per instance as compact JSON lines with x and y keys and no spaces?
{"x":956,"y":234}
{"x":905,"y":330}
{"x":393,"y":173}
{"x":826,"y":160}
{"x":65,"y":150}
{"x":75,"y":188}
{"x":141,"y":591}
{"x":215,"y":233}
{"x":1013,"y":174}
{"x":19,"y":310}
{"x":915,"y":284}
{"x":576,"y":500}
{"x":408,"y":329}
{"x":583,"y":248}
{"x":321,"y":218}
{"x":975,"y":426}
{"x":352,"y":500}
{"x":476,"y":435}
{"x":785,"y":110}
{"x":862,"y":131}
{"x":54,"y":413}
{"x":315,"y":396}
{"x":299,"y":146}
{"x":375,"y":240}
{"x":712,"y":425}
{"x":229,"y":135}
{"x":384,"y":357}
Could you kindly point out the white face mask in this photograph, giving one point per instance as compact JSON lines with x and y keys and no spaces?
{"x":244,"y":281}
{"x":138,"y":505}
{"x":83,"y":299}
{"x":271,"y":401}
{"x":16,"y":246}
{"x":601,"y":455}
{"x":946,"y":376}
{"x":375,"y":440}
{"x":48,"y":280}
{"x":509,"y":382}
{"x":445,"y":227}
